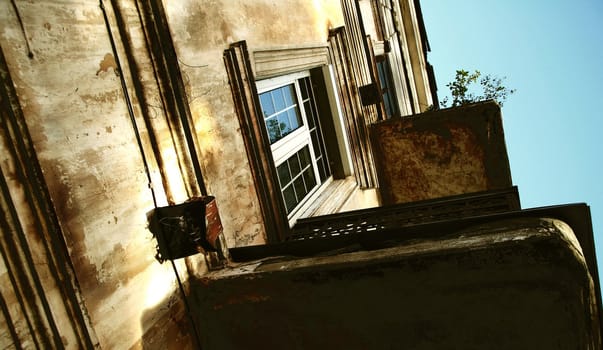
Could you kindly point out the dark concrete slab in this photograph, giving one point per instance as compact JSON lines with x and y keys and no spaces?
{"x":519,"y":283}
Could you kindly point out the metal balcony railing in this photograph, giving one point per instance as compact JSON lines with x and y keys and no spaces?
{"x":401,"y":215}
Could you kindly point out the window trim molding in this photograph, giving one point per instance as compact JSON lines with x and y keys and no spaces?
{"x":276,"y":61}
{"x":244,"y":67}
{"x":280,"y":149}
{"x":247,"y":106}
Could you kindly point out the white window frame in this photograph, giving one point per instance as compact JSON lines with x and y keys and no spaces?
{"x":286,"y":147}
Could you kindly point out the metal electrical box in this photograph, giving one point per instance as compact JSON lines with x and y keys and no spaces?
{"x":186,"y":229}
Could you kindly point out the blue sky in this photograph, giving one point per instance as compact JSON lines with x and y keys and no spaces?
{"x":551,"y":52}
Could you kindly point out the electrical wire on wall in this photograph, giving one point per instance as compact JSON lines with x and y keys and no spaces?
{"x":27,"y":45}
{"x":145,"y":162}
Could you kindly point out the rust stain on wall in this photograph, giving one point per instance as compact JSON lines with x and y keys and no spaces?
{"x":107,"y":63}
{"x":119,"y":258}
{"x":74,"y":235}
{"x":84,"y":202}
{"x":207,"y":27}
{"x":101,"y":97}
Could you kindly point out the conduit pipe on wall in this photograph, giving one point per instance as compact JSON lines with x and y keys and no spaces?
{"x":173,"y":94}
{"x":145,"y":163}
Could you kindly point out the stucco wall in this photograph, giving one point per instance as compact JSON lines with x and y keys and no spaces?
{"x":73,"y":104}
{"x":75,"y":109}
{"x":201,"y":31}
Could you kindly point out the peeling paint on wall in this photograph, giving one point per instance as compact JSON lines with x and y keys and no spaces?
{"x":107,"y":63}
{"x":72,"y":98}
{"x":73,"y":102}
{"x":200,"y":33}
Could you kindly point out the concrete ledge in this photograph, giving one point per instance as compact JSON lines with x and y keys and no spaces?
{"x":510,"y":284}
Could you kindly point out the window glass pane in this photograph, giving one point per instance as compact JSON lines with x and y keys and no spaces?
{"x":274,"y":130}
{"x":388,"y":106}
{"x":304,"y":88}
{"x":381,"y":70}
{"x":309,"y":178}
{"x":300,"y":188}
{"x":304,"y":157}
{"x":289,"y":94}
{"x":309,"y":114}
{"x":290,"y":200}
{"x":279,"y":99}
{"x":322,"y":172}
{"x":294,"y":165}
{"x":296,"y":181}
{"x":294,"y":118}
{"x":281,"y":112}
{"x":284,"y":125}
{"x":284,"y":175}
{"x":266,"y":103}
{"x":315,"y":144}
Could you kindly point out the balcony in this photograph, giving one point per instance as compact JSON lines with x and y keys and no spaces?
{"x":451,"y":261}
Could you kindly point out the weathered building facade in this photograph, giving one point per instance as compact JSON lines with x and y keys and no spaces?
{"x":348,"y":218}
{"x":113,"y":108}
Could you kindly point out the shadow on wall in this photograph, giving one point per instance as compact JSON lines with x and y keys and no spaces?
{"x":166,"y":326}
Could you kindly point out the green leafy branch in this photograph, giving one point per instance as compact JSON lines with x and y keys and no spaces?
{"x":492,"y":89}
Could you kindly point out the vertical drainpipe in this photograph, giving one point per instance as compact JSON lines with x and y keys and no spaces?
{"x":427,"y":48}
{"x":140,"y":95}
{"x":191,"y":148}
{"x":406,"y":73}
{"x":367,"y":52}
{"x":172,"y":87}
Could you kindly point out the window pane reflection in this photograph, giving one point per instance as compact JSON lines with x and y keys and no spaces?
{"x":296,"y":178}
{"x":281,"y":112}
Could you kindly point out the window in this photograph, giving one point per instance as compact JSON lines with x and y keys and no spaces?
{"x":389,"y":96}
{"x":293,"y":127}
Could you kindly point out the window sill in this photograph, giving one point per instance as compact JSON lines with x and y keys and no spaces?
{"x":339,"y":196}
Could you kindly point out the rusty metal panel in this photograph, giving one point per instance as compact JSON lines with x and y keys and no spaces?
{"x":442,"y":153}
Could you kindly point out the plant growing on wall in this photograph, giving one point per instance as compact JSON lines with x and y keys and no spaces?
{"x":461,"y":89}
